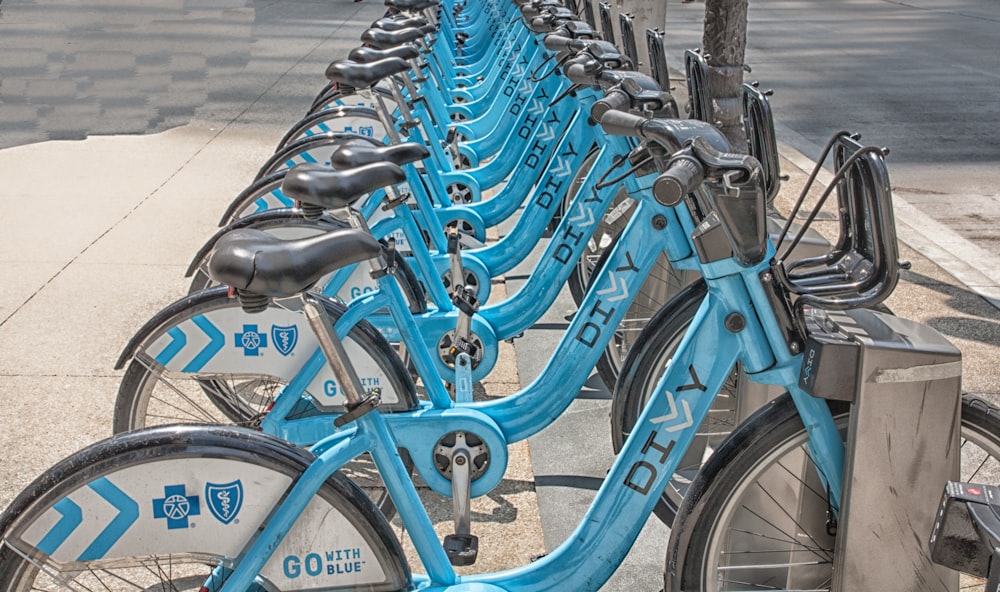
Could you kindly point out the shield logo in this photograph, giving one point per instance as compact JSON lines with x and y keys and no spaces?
{"x":284,"y":338}
{"x":225,"y":500}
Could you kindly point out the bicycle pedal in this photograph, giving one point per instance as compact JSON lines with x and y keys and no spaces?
{"x":462,"y":549}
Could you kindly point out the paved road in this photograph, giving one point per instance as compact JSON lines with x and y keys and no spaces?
{"x":919,"y":76}
{"x":72,"y":69}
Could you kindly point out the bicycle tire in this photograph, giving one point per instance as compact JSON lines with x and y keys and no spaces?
{"x":146,"y":397}
{"x":412,"y":289}
{"x":316,"y":148}
{"x":322,"y":122}
{"x":774,"y":438}
{"x":188,"y":567}
{"x":637,"y":381}
{"x":334,"y":97}
{"x":249,"y":201}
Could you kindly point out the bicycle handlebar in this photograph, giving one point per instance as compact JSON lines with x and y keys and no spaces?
{"x":683,"y":175}
{"x":560,"y":43}
{"x":699,"y":153}
{"x":583,"y":70}
{"x":669,"y":133}
{"x":614,"y":100}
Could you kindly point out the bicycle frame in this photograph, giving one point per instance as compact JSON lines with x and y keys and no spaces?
{"x":642,"y":469}
{"x":492,"y":324}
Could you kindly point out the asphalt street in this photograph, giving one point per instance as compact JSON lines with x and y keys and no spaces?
{"x":921,"y":77}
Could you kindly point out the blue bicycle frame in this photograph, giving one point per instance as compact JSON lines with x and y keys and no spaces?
{"x":652,"y":452}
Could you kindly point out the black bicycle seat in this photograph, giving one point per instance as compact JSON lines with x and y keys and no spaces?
{"x":412,"y":5}
{"x":322,"y":186}
{"x":367,"y":55}
{"x":385,"y":39}
{"x":256,"y":262}
{"x":349,"y":157}
{"x":532,"y":9}
{"x":575,"y":29}
{"x":358,"y":75}
{"x":399,"y":22}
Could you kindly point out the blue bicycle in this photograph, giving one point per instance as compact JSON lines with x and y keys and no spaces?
{"x":272,"y":516}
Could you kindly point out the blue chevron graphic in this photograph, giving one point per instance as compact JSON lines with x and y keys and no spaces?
{"x":305,"y":156}
{"x":72,"y":516}
{"x":216,"y":341}
{"x":178,"y":343}
{"x":263,"y":205}
{"x":128,"y":513}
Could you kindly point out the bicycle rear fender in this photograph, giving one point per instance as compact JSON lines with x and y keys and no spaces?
{"x":208,"y":333}
{"x":201,"y":491}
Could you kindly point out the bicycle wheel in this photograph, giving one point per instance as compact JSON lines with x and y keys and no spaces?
{"x":641,"y":370}
{"x":150,"y":395}
{"x":174,"y":483}
{"x":312,"y":149}
{"x":261,"y":195}
{"x":333,"y":97}
{"x":357,"y":120}
{"x":724,"y":537}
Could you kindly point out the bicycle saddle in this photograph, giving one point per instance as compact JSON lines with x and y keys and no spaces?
{"x":320,"y":185}
{"x":411,"y":5}
{"x":367,"y":55}
{"x":533,"y":9}
{"x":548,"y":19}
{"x":349,"y":157}
{"x":395,"y":24}
{"x":386,"y":39}
{"x":364,"y":75}
{"x":259,"y":263}
{"x":575,"y":30}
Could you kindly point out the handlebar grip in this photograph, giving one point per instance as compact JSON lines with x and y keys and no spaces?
{"x":620,"y":123}
{"x":682,"y":176}
{"x":557,"y":42}
{"x":614,"y":100}
{"x":582,"y":72}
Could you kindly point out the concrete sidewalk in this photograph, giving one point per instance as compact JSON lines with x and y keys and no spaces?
{"x":95,"y":236}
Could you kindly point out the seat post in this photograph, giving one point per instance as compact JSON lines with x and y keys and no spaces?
{"x":333,"y":350}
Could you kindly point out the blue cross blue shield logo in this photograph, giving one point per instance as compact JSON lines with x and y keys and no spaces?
{"x":284,"y":338}
{"x":225,"y":500}
{"x":251,"y":340}
{"x":176,"y":506}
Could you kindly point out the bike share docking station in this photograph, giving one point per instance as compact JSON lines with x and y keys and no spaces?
{"x":903,"y":380}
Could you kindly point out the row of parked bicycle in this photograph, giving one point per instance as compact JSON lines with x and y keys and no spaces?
{"x":750,"y":376}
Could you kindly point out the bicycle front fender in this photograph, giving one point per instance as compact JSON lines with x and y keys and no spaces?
{"x":165,"y":318}
{"x":464,"y":95}
{"x":209,"y":334}
{"x":201,"y":491}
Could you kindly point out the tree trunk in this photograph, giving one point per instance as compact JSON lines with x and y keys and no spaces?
{"x":724,"y":45}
